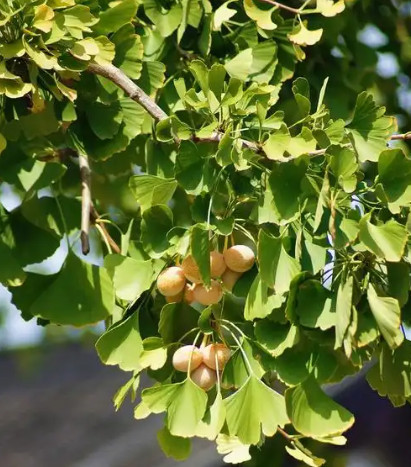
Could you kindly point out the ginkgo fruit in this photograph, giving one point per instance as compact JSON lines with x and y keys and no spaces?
{"x":190,"y":269}
{"x":176,"y":298}
{"x":239,"y":258}
{"x":188,"y":294}
{"x":230,"y":278}
{"x":171,"y":281}
{"x":215,"y":356}
{"x":204,"y":377}
{"x":182,"y":356}
{"x":217,"y":264}
{"x":208,"y":295}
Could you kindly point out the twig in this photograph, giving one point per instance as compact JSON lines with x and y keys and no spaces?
{"x":133,"y":91}
{"x":115,"y":75}
{"x":94,"y":216}
{"x":85,"y":202}
{"x":282,"y":6}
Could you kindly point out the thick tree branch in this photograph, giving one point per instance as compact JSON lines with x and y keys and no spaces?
{"x":133,"y":91}
{"x":115,"y":75}
{"x":85,"y":202}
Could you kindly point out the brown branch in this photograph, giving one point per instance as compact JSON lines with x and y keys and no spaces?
{"x":85,"y":202}
{"x":133,"y":91}
{"x":115,"y":75}
{"x":282,"y":6}
{"x":94,"y":215}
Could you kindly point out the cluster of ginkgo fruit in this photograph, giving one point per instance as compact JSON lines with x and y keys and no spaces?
{"x":184,"y":283}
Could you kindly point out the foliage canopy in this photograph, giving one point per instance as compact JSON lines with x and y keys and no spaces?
{"x":148,"y":130}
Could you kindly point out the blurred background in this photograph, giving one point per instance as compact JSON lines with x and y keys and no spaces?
{"x":55,"y":395}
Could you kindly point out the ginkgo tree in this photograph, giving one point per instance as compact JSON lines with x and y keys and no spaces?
{"x":244,"y":194}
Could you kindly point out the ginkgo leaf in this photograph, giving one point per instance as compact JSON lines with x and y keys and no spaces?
{"x":173,"y":446}
{"x":150,"y":190}
{"x":185,"y":404}
{"x":328,"y":8}
{"x":246,"y":419}
{"x":370,"y":128}
{"x":313,"y":413}
{"x":304,"y":36}
{"x":233,"y":450}
{"x":275,"y":338}
{"x":261,"y":301}
{"x":213,"y":420}
{"x":387,"y":313}
{"x":222,"y":14}
{"x":261,"y":17}
{"x":387,"y":241}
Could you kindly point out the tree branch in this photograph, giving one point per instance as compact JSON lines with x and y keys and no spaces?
{"x":85,"y":202}
{"x":115,"y":75}
{"x":282,"y":6}
{"x":133,"y":91}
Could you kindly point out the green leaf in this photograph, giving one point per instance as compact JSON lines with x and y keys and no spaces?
{"x":260,"y":300}
{"x":277,"y":267}
{"x":370,"y":129}
{"x":314,"y":306}
{"x":150,"y":190}
{"x":222,"y":14}
{"x":313,"y":413}
{"x":246,"y":419}
{"x":299,"y":452}
{"x":120,"y":396}
{"x":130,"y":277}
{"x":91,"y":297}
{"x":122,"y":345}
{"x":304,"y":36}
{"x":116,"y":16}
{"x":176,"y":319}
{"x":213,"y":421}
{"x":156,"y":223}
{"x":3,"y":143}
{"x":11,"y":85}
{"x":184,"y":402}
{"x":129,"y":51}
{"x":173,"y":446}
{"x":200,"y":250}
{"x":343,"y":307}
{"x":11,"y":272}
{"x":387,"y":313}
{"x":166,"y":21}
{"x":154,"y":355}
{"x":344,"y":166}
{"x":394,"y":177}
{"x":233,"y":450}
{"x":281,"y":142}
{"x":275,"y":338}
{"x":398,"y":275}
{"x":391,"y":375}
{"x":285,"y":183}
{"x":104,"y":120}
{"x":260,"y":16}
{"x":387,"y":241}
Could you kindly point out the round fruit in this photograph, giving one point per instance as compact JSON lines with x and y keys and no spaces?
{"x":213,"y":352}
{"x":217,"y":264}
{"x":239,"y":258}
{"x":204,"y":377}
{"x":191,"y":270}
{"x":208,"y":296}
{"x":171,"y":281}
{"x":189,"y":293}
{"x":175,"y":298}
{"x":229,"y":278}
{"x":182,"y":356}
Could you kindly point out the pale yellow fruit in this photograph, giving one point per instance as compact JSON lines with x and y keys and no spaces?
{"x":217,"y":264}
{"x":189,"y":293}
{"x":171,"y":281}
{"x":182,"y":356}
{"x":175,"y":298}
{"x":216,"y":351}
{"x":191,"y":270}
{"x":239,"y":258}
{"x":208,"y":296}
{"x":229,"y":278}
{"x":204,"y":377}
